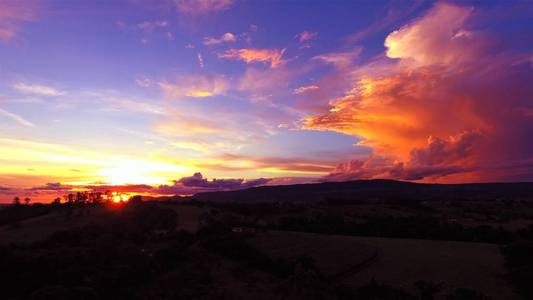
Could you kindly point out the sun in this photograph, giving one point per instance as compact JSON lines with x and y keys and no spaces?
{"x":120,"y":197}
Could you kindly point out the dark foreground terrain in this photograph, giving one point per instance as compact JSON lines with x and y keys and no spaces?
{"x":353,"y":240}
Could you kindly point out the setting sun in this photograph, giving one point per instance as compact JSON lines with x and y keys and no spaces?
{"x":120,"y":197}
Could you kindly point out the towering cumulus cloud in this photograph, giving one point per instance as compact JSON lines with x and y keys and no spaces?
{"x":447,"y":103}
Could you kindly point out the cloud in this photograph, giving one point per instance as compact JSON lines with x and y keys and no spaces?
{"x":197,"y":180}
{"x":272,"y":56}
{"x":144,"y":82}
{"x":438,"y":37}
{"x":305,"y":89}
{"x":394,"y":11}
{"x":340,"y":60}
{"x":35,"y":89}
{"x":225,"y":38}
{"x":187,"y":124}
{"x":52,"y":186}
{"x":12,"y":13}
{"x":197,"y":183}
{"x":233,"y":162}
{"x":305,"y":36}
{"x":200,"y":60}
{"x":447,"y":104}
{"x":438,"y":158}
{"x":195,"y":86}
{"x":113,"y":101}
{"x":148,"y":29}
{"x":149,"y":26}
{"x":16,"y":118}
{"x":200,"y":7}
{"x":261,"y":83}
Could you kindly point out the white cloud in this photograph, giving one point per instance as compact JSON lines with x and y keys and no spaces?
{"x":16,"y":118}
{"x":37,"y":89}
{"x":225,"y":38}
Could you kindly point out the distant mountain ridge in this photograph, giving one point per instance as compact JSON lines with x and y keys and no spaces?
{"x":378,"y":189}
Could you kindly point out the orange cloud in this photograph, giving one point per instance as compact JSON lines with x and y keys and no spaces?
{"x":232,"y":162}
{"x":195,"y":86}
{"x":449,"y":108}
{"x":272,"y":56}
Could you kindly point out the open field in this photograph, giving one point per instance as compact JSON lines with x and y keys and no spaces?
{"x":399,"y":262}
{"x":188,"y":216}
{"x":39,"y":228}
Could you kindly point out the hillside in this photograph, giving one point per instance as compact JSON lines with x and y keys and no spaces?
{"x":372,"y":190}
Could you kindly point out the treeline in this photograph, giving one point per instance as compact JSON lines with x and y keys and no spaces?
{"x":414,"y":227}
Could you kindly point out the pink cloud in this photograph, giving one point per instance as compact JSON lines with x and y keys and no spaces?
{"x":340,"y":60}
{"x":439,"y":37}
{"x":306,"y":36}
{"x":305,"y":89}
{"x":272,"y":56}
{"x":12,"y":14}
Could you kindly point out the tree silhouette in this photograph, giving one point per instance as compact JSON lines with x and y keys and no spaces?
{"x":27,"y":200}
{"x":16,"y":200}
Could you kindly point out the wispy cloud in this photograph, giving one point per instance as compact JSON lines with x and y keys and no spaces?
{"x":272,"y":56}
{"x":305,"y":89}
{"x":340,"y":60}
{"x":305,"y":37}
{"x":270,"y":164}
{"x":36,"y":89}
{"x":393,"y":12}
{"x":225,"y":38}
{"x":148,"y":29}
{"x":144,"y":82}
{"x":200,"y":7}
{"x":16,"y":118}
{"x":195,"y":87}
{"x":149,"y":26}
{"x":200,"y":60}
{"x":12,"y":13}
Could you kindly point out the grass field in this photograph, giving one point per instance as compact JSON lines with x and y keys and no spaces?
{"x":399,"y":262}
{"x":39,"y":228}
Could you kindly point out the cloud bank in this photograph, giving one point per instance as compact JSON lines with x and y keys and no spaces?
{"x":447,"y":103}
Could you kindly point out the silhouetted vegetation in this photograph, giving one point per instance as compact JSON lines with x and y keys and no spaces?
{"x":17,"y":213}
{"x":417,"y":227}
{"x":519,"y":259}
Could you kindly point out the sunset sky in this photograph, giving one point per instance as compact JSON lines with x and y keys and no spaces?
{"x":160,"y":97}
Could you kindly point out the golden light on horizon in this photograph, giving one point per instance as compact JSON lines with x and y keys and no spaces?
{"x":120,"y":197}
